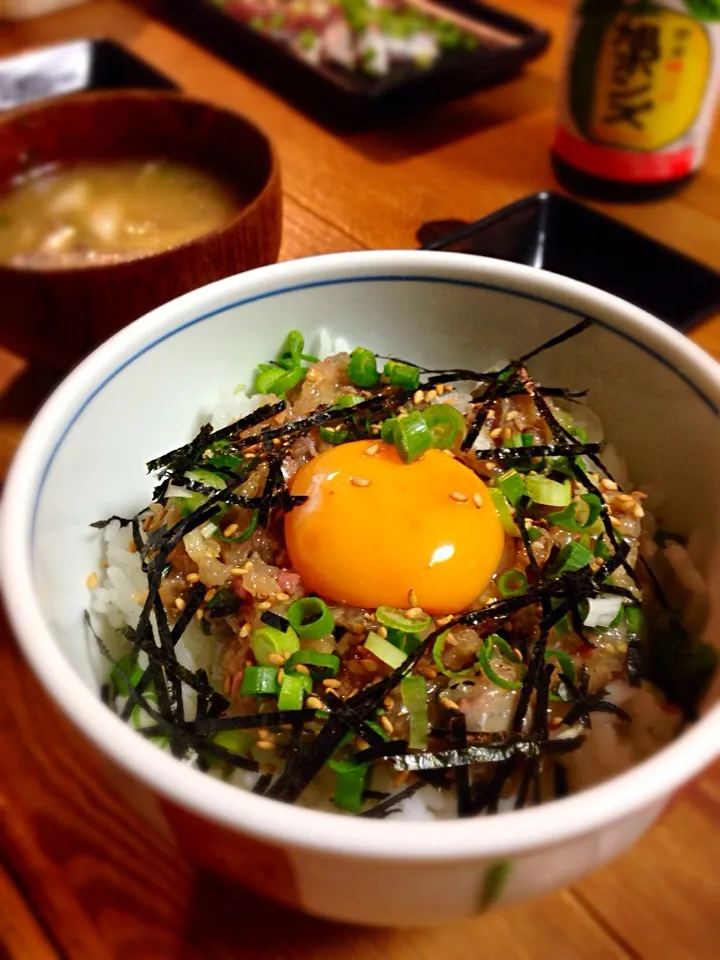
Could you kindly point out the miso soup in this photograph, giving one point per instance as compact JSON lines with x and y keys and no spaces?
{"x":104,"y":212}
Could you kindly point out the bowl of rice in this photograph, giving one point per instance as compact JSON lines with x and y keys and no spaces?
{"x":378,"y":565}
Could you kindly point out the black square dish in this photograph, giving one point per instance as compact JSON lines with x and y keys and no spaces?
{"x":552,"y":232}
{"x":73,"y":67}
{"x":271,"y":46}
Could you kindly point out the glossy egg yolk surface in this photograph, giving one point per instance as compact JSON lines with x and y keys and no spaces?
{"x":375,"y":530}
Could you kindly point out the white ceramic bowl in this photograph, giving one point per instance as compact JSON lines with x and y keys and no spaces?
{"x":140,"y":394}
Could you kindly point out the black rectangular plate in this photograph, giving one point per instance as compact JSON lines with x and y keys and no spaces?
{"x":554,"y":233}
{"x":74,"y":67}
{"x":349,"y":97}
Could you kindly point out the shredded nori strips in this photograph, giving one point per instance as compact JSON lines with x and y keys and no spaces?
{"x":520,"y":752}
{"x":584,"y":703}
{"x":393,"y":804}
{"x":275,"y":620}
{"x":101,"y":524}
{"x":487,"y":753}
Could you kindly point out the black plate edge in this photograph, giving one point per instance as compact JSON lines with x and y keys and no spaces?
{"x":542,"y":198}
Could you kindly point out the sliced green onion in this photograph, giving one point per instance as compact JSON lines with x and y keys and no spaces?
{"x":272,"y":378}
{"x":310,"y":618}
{"x":397,"y":638}
{"x":601,"y":548}
{"x":534,"y":533}
{"x":362,"y":368}
{"x":580,"y":433}
{"x":125,"y":674}
{"x":502,"y":508}
{"x":268,"y":640}
{"x":207,"y":477}
{"x":567,"y":667}
{"x":446,"y":425}
{"x":484,"y":657}
{"x":328,"y":663}
{"x":236,"y":741}
{"x":512,"y":583}
{"x":396,"y":619}
{"x":573,"y":556}
{"x":412,"y":436}
{"x":387,"y":432}
{"x":260,"y":682}
{"x":222,"y":456}
{"x":334,"y":436}
{"x":385,"y":651}
{"x":548,"y":492}
{"x":590,"y":506}
{"x":244,"y":534}
{"x":291,"y":351}
{"x":402,"y":375}
{"x":292,"y":691}
{"x":437,"y":652}
{"x":413,"y":690}
{"x":634,"y":619}
{"x":512,"y":486}
{"x":350,"y":785}
{"x":521,"y":440}
{"x":347,"y":400}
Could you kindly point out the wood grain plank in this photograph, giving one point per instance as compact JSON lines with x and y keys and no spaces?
{"x":668,"y":885}
{"x":21,"y":936}
{"x":105,"y":885}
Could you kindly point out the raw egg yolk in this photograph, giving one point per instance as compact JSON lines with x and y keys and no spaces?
{"x":375,"y":530}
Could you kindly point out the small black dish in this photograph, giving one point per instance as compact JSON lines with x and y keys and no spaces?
{"x":552,"y":232}
{"x":74,"y":67}
{"x":352,"y":97}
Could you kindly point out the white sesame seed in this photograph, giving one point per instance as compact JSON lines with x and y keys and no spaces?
{"x":276,"y":659}
{"x":92,"y":581}
{"x":193,"y":577}
{"x":382,"y":631}
{"x":265,"y":745}
{"x":230,"y":530}
{"x":314,"y":703}
{"x":449,"y":704}
{"x":282,"y":597}
{"x":418,"y":396}
{"x":414,"y":613}
{"x":265,"y":605}
{"x":495,"y":433}
{"x":430,"y":396}
{"x":458,"y":497}
{"x":608,"y":484}
{"x":412,"y":598}
{"x":360,"y":481}
{"x":331,"y":683}
{"x":180,"y":603}
{"x":245,"y":630}
{"x":477,"y":500}
{"x":386,"y":725}
{"x":372,"y":449}
{"x":301,"y":668}
{"x":440,"y":387}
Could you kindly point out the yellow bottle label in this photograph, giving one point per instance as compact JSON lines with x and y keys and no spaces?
{"x":651,"y":76}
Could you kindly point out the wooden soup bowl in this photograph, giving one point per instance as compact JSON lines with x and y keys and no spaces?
{"x":58,"y":314}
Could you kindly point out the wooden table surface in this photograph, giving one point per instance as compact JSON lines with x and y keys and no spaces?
{"x":79,"y":877}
